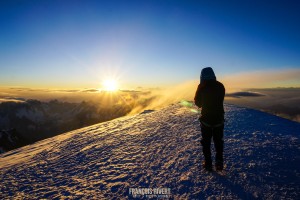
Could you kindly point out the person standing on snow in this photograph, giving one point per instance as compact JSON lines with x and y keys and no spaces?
{"x":210,"y":96}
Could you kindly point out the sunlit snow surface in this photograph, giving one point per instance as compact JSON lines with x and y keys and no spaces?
{"x":159,"y":149}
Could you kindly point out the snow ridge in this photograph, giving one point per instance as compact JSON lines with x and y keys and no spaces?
{"x":159,"y":149}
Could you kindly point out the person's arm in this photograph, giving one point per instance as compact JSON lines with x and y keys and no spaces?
{"x":197,"y":98}
{"x":223,"y":92}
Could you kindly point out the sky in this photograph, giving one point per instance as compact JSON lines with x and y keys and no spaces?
{"x":78,"y":44}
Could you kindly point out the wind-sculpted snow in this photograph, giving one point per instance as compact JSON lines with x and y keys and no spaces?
{"x":159,"y":149}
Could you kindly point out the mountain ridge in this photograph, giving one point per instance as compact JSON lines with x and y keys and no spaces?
{"x":159,"y":149}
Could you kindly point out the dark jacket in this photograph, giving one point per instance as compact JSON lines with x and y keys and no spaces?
{"x":210,"y":96}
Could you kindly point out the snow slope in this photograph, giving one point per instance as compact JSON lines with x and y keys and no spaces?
{"x":159,"y":149}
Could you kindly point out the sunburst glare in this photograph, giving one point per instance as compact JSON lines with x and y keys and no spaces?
{"x":110,"y":85}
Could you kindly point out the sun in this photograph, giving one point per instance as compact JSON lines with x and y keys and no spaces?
{"x":110,"y":85}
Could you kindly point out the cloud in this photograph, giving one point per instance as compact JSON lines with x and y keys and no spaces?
{"x":67,"y":91}
{"x":161,"y":97}
{"x":90,"y":90}
{"x":129,"y":91}
{"x":263,"y":79}
{"x":20,"y":89}
{"x":283,"y":102}
{"x":244,"y":94}
{"x":12,"y":99}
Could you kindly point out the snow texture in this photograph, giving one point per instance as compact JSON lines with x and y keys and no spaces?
{"x":159,"y":149}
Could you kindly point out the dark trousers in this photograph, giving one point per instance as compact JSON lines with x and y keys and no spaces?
{"x":217,"y":134}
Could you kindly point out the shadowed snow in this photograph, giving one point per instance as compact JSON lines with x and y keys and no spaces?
{"x":159,"y":149}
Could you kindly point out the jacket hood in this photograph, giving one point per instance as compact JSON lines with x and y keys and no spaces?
{"x":207,"y":73}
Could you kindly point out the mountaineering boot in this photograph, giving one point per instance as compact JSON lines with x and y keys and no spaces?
{"x":219,"y":165}
{"x":207,"y":165}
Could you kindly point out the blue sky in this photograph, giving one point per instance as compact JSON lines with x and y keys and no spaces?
{"x":143,"y":43}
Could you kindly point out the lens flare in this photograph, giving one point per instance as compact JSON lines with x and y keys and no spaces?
{"x":189,"y":105}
